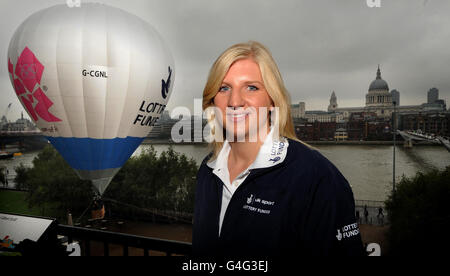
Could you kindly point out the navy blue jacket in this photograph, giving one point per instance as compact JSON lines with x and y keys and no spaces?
{"x":301,"y":206}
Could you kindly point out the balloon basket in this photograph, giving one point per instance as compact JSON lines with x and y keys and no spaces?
{"x":98,"y":207}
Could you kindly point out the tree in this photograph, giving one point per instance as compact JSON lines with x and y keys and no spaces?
{"x":419,"y":214}
{"x":21,"y":177}
{"x":166,"y":182}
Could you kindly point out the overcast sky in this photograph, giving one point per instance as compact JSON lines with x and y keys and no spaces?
{"x":320,"y":46}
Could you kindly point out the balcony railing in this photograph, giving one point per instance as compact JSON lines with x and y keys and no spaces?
{"x":85,"y":237}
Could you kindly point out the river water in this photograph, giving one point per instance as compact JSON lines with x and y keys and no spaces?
{"x":367,"y":168}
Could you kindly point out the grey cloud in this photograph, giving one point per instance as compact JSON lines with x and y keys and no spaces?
{"x":320,"y":46}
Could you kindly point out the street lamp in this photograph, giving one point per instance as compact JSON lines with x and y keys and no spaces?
{"x":394,"y":126}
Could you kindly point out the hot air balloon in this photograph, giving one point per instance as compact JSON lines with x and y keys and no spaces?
{"x":94,"y":79}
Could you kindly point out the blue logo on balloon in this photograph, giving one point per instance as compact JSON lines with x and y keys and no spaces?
{"x":166,"y":85}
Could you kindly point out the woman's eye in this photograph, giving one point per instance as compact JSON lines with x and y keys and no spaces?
{"x":252,"y":88}
{"x":224,"y":89}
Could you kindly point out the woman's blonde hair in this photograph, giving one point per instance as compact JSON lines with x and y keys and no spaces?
{"x":272,"y":79}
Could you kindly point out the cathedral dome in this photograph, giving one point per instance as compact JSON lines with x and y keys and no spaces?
{"x":378,"y":83}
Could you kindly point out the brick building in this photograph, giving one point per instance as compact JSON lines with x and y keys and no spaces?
{"x":361,"y":126}
{"x":431,"y":122}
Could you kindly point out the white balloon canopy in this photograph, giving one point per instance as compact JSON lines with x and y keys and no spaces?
{"x":94,"y":79}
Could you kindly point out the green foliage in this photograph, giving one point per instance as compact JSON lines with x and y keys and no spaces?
{"x":21,"y":177}
{"x":146,"y":181}
{"x":166,"y":182}
{"x":419,"y":214}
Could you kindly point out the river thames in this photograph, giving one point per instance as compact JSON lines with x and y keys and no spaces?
{"x":368,"y":168}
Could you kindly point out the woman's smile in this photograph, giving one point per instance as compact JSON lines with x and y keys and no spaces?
{"x":237,"y":116}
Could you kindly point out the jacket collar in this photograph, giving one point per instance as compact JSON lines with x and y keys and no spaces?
{"x":272,"y":152}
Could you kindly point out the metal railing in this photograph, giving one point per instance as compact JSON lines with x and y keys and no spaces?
{"x":373,"y":215}
{"x":369,"y":203}
{"x":85,"y":236}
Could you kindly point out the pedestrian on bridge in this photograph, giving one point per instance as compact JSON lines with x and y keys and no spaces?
{"x":380,"y":212}
{"x":366,"y":214}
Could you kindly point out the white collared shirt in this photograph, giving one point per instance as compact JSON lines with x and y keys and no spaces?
{"x":272,"y":152}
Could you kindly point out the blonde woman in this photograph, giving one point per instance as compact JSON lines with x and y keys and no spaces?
{"x":261,"y":191}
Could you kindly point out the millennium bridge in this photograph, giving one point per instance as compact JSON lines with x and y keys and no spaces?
{"x":418,"y":136}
